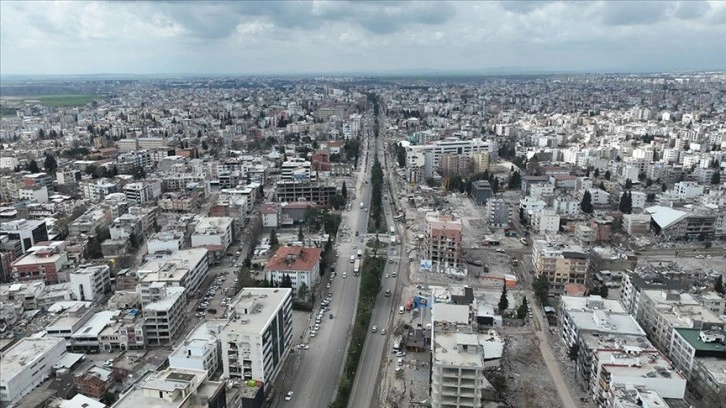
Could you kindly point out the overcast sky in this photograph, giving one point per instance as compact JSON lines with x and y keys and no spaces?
{"x":85,"y":37}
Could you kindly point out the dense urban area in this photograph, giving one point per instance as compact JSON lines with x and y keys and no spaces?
{"x":351,"y":242}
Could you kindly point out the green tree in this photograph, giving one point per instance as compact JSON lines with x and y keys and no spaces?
{"x":503,"y":301}
{"x":629,"y":203}
{"x":50,"y":164}
{"x":628,"y":184}
{"x":274,"y":242}
{"x":541,"y":286}
{"x":515,"y":181}
{"x":718,"y":285}
{"x":607,"y":175}
{"x":663,"y":187}
{"x":573,"y":352}
{"x":603,"y":291}
{"x":32,"y":167}
{"x":586,"y":203}
{"x":300,"y":234}
{"x":337,"y":201}
{"x":648,"y":182}
{"x":716,"y":178}
{"x":344,"y":191}
{"x":596,"y":173}
{"x":523,"y":309}
{"x":602,"y":186}
{"x":303,"y":291}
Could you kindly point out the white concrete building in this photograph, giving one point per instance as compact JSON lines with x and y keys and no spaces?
{"x":26,"y":365}
{"x":685,"y":190}
{"x":163,"y":318}
{"x":38,"y":194}
{"x":214,"y":232}
{"x":544,"y":222}
{"x":91,"y":283}
{"x":256,"y":342}
{"x":185,"y":268}
{"x":165,"y":241}
{"x":301,"y":264}
{"x":200,"y":350}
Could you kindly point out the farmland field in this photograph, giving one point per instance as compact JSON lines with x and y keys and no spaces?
{"x":57,"y":101}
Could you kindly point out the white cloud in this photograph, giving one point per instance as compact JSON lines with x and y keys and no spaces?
{"x":199,"y":37}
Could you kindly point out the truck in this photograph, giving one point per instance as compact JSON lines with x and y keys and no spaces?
{"x":362,"y":205}
{"x":360,"y":253}
{"x":356,"y":267}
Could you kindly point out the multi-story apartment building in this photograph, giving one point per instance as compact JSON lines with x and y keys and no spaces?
{"x":499,"y":213}
{"x":301,"y":264}
{"x":662,"y":311}
{"x":200,"y":350}
{"x":26,"y":364}
{"x":95,"y":382}
{"x":442,"y":241}
{"x":455,"y":165}
{"x":561,"y":261}
{"x":175,"y":388}
{"x":287,"y":191}
{"x":460,"y":356}
{"x":42,"y":263}
{"x":185,"y":269}
{"x":481,"y":191}
{"x":166,"y":241}
{"x":454,"y":146}
{"x":91,"y":283}
{"x":686,"y":190}
{"x":297,"y":169}
{"x":633,"y":284}
{"x":638,"y":368}
{"x":164,"y":318}
{"x":214,"y":233}
{"x":257,"y":340}
{"x":28,"y":232}
{"x":687,"y":346}
{"x":96,"y":190}
{"x":125,"y":332}
{"x":544,"y":222}
{"x":38,"y":180}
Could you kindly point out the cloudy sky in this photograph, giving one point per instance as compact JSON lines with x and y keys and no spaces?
{"x":86,"y":37}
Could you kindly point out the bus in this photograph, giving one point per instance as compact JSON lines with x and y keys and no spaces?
{"x":393,"y":230}
{"x":356,"y":267}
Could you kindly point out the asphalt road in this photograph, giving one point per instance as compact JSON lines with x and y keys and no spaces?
{"x":374,"y":351}
{"x":315,"y":380}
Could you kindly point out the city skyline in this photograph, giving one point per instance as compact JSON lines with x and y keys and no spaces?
{"x":144,"y":38}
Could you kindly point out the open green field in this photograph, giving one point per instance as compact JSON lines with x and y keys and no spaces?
{"x":59,"y":101}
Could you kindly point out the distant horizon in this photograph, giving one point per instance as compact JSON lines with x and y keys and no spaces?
{"x":504,"y":71}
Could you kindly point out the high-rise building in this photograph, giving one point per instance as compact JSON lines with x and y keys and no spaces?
{"x":256,"y":341}
{"x":442,"y":240}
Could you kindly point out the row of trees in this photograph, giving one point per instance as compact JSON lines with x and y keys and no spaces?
{"x":370,"y":276}
{"x":376,"y":211}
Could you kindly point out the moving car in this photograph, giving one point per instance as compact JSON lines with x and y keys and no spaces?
{"x":388,"y":292}
{"x":374,"y":329}
{"x":288,"y":397}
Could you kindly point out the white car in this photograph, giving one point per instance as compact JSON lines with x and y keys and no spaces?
{"x":288,"y":397}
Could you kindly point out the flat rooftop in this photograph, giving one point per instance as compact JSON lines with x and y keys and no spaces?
{"x":693,"y":337}
{"x":254,"y":309}
{"x":606,"y":322}
{"x":466,"y":350}
{"x":647,"y":364}
{"x":25,"y":352}
{"x":39,"y":257}
{"x":95,"y":324}
{"x":173,"y":268}
{"x":172,"y":295}
{"x":591,"y":303}
{"x":165,"y":381}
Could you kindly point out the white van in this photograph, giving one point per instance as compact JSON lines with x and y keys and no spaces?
{"x":400,"y":310}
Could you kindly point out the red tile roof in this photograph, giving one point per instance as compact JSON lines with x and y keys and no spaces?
{"x":294,"y":258}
